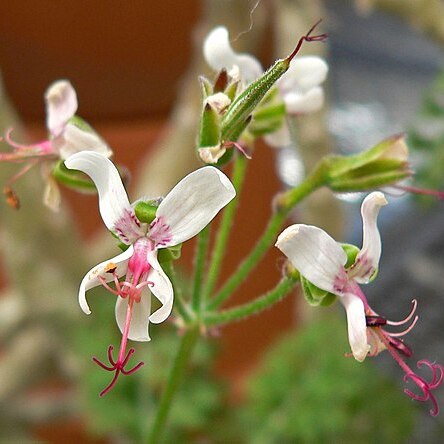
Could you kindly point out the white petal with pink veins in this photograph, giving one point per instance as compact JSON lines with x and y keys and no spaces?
{"x":190,"y":206}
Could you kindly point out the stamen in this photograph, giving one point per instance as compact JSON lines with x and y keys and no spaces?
{"x":400,"y":345}
{"x":408,"y":317}
{"x":404,"y":332}
{"x":238,"y":146}
{"x":375,"y":321}
{"x":307,"y":38}
{"x":423,"y":191}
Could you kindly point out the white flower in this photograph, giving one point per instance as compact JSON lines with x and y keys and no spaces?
{"x":65,"y":138}
{"x":321,"y":260}
{"x":184,"y":212}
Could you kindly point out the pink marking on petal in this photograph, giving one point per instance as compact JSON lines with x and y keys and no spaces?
{"x":160,"y":232}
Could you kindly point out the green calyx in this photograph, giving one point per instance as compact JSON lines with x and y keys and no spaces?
{"x":73,"y":179}
{"x":384,"y":164}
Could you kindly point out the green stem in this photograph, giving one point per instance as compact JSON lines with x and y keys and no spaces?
{"x":199,"y":268}
{"x":220,"y":245}
{"x":188,"y":341}
{"x":285,"y":203}
{"x":179,"y":302}
{"x":253,"y":307}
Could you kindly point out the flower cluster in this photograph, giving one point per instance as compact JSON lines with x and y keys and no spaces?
{"x":321,"y":260}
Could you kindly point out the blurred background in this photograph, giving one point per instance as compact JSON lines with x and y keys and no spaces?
{"x":276,"y":378}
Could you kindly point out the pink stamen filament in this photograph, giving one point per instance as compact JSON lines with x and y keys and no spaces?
{"x":408,"y":317}
{"x":238,"y":146}
{"x":404,"y":332}
{"x":415,"y":190}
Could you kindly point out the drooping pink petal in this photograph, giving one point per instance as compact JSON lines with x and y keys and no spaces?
{"x":356,"y":324}
{"x":113,"y":200}
{"x":74,"y":140}
{"x":138,"y":330}
{"x":103,"y":270}
{"x":367,"y":260}
{"x":190,"y":206}
{"x":61,"y":105}
{"x":161,"y":288}
{"x":317,"y":256}
{"x":219,"y":54}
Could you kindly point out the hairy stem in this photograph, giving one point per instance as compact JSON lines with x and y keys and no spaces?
{"x":226,"y":223}
{"x":285,"y":203}
{"x":253,"y":307}
{"x":199,"y":268}
{"x":186,"y":346}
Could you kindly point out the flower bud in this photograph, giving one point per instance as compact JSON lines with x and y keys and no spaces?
{"x":384,"y":164}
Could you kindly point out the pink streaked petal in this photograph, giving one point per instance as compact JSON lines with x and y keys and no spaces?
{"x":367,"y":260}
{"x":219,"y":54}
{"x":317,"y":256}
{"x":162,"y":289}
{"x":190,"y":206}
{"x":300,"y":102}
{"x":304,"y":73}
{"x":61,"y":105}
{"x":113,"y":200}
{"x":138,"y":330}
{"x":91,"y":279}
{"x":74,"y":140}
{"x":356,"y":325}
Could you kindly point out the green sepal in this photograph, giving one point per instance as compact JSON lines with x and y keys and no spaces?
{"x":146,"y":210}
{"x":122,"y":246}
{"x":81,"y":124}
{"x":312,"y":294}
{"x":351,"y":251}
{"x":245,"y":103}
{"x":73,"y":179}
{"x":206,"y":87}
{"x":231,"y":89}
{"x":210,"y":129}
{"x":169,"y":254}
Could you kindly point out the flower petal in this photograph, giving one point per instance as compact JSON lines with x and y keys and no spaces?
{"x":219,"y":54}
{"x":91,"y":279}
{"x":317,"y":256}
{"x":61,"y":105}
{"x":190,"y":206}
{"x":138,"y":330}
{"x":74,"y":140}
{"x":113,"y":200}
{"x":280,"y":138}
{"x":298,"y":102}
{"x":367,"y":260}
{"x":304,"y":73}
{"x":356,"y":325}
{"x":162,"y":289}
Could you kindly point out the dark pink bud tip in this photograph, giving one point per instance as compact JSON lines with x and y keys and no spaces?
{"x":401,"y":346}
